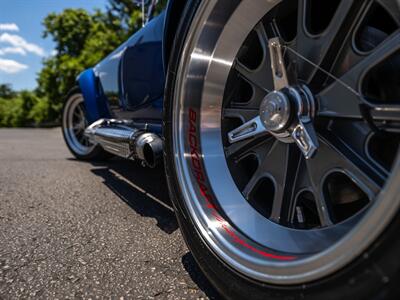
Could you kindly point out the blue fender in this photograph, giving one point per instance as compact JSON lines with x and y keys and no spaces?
{"x":173,"y":15}
{"x":95,"y":103}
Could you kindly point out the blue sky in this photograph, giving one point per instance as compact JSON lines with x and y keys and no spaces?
{"x":22,"y":47}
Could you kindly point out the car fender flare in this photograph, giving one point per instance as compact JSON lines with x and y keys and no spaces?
{"x":95,"y":104}
{"x":173,"y":16}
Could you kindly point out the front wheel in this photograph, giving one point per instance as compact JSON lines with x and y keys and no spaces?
{"x":264,"y":219}
{"x":74,"y":123}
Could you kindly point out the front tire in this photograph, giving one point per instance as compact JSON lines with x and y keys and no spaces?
{"x":362,"y":263}
{"x":74,"y":123}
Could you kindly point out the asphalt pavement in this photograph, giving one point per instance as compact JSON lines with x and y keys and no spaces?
{"x":71,"y":229}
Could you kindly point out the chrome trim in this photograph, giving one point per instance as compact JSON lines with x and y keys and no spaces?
{"x":124,"y":140}
{"x":277,"y":64}
{"x":248,"y":130}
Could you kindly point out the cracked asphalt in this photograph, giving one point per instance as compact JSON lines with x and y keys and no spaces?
{"x":70,"y":229}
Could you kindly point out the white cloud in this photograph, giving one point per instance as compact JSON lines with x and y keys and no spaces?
{"x":18,"y":41}
{"x":12,"y":50}
{"x":9,"y":27}
{"x":11,"y":66}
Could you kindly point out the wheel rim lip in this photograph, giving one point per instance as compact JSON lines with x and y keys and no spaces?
{"x":304,"y":268}
{"x":68,"y":125}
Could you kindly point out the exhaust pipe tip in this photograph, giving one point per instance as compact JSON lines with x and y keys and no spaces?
{"x":149,"y":149}
{"x":152,"y":156}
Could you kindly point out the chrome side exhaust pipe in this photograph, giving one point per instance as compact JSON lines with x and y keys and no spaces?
{"x":126,"y":141}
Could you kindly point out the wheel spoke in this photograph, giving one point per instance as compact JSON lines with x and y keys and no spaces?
{"x":262,"y":35}
{"x":81,"y":112}
{"x":262,"y":76}
{"x":322,"y":49}
{"x":273,"y":163}
{"x":283,"y":206}
{"x":329,"y":159}
{"x":281,"y":165}
{"x":79,"y":124}
{"x":250,"y":186}
{"x":237,"y":150}
{"x":244,"y":114}
{"x":260,"y":173}
{"x":301,"y":183}
{"x":383,"y":51}
{"x":254,"y":102}
{"x":77,"y":130}
{"x":276,"y":167}
{"x":342,"y":97}
{"x":392,"y":7}
{"x":321,"y":202}
{"x":339,"y":101}
{"x":316,"y":169}
{"x":272,"y":30}
{"x":76,"y":127}
{"x":259,"y":78}
{"x":76,"y":114}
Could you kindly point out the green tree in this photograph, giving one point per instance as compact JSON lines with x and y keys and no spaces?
{"x":6,"y":91}
{"x":120,"y":12}
{"x":129,"y":14}
{"x":69,"y":30}
{"x":17,"y":111}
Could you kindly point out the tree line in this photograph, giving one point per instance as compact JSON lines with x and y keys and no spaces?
{"x":82,"y":39}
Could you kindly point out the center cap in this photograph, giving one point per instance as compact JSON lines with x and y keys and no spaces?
{"x":275,"y":111}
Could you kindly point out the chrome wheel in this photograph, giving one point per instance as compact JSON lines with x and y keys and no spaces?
{"x":264,"y":204}
{"x":74,"y":125}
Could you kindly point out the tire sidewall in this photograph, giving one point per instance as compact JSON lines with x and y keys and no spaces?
{"x":372,"y":275}
{"x":97,"y":153}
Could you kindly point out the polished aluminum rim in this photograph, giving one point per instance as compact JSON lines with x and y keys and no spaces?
{"x":235,"y":231}
{"x":74,"y":125}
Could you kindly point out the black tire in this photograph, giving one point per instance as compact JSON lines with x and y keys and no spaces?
{"x":92,"y":153}
{"x":372,"y":275}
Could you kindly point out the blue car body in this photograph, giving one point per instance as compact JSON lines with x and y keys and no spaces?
{"x":129,"y":83}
